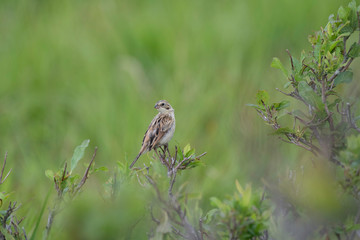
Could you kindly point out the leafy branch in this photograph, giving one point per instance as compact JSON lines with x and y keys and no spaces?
{"x":175,"y":219}
{"x":66,"y":184}
{"x":325,"y":123}
{"x":314,"y":79}
{"x":9,"y":223}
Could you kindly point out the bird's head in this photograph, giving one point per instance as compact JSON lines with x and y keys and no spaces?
{"x":163,"y":106}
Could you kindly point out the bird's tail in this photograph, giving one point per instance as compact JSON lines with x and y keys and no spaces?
{"x":137,"y":157}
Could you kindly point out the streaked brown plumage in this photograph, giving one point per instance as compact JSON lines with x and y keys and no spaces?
{"x":160,"y":130}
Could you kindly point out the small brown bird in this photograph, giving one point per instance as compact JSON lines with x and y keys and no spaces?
{"x":160,"y":130}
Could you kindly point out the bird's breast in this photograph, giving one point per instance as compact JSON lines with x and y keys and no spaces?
{"x":168,"y":135}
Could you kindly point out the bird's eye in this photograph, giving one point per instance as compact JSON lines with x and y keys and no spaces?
{"x":162,"y":104}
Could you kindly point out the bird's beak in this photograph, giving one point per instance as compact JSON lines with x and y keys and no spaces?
{"x":156,"y":106}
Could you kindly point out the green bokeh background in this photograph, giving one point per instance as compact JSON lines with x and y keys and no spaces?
{"x":75,"y":70}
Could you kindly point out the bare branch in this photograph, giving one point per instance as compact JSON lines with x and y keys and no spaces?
{"x":201,"y":155}
{"x":11,"y":209}
{"x":170,"y":205}
{"x":152,"y":216}
{"x":293,"y":95}
{"x":177,"y":232}
{"x":64,"y":173}
{"x":201,"y":229}
{"x":2,"y":180}
{"x":86,"y":174}
{"x":291,"y":60}
{"x":323,"y":98}
{"x":24,"y":233}
{"x":350,"y":118}
{"x":312,"y":70}
{"x":3,"y":168}
{"x":151,"y":181}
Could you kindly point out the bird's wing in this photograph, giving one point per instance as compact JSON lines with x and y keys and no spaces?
{"x":157,"y":129}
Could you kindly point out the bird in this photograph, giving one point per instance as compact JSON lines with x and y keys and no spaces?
{"x":160,"y":130}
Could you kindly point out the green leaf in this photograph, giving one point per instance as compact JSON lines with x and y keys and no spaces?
{"x":73,"y":178}
{"x":334,"y":44}
{"x":352,"y":5}
{"x":317,"y":50}
{"x":342,"y":13}
{"x":246,"y":195}
{"x":276,"y":63}
{"x":262,"y":97}
{"x":283,"y":130}
{"x":217,"y":203}
{"x":313,"y":39}
{"x":255,"y":106}
{"x":2,"y":196}
{"x":195,"y":164}
{"x":344,"y":77}
{"x":78,"y":154}
{"x":281,"y":105}
{"x":308,"y":94}
{"x":49,"y":174}
{"x":346,"y":29}
{"x":190,"y":152}
{"x":180,"y":155}
{"x":209,"y":215}
{"x":286,"y":85}
{"x":239,"y":188}
{"x":353,"y":227}
{"x":353,"y":16}
{"x":187,"y":148}
{"x":103,"y":169}
{"x":297,"y":65}
{"x":329,"y":27}
{"x":354,"y":51}
{"x":345,"y":34}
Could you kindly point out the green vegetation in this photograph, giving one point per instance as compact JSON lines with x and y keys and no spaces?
{"x":75,"y":70}
{"x":324,"y":124}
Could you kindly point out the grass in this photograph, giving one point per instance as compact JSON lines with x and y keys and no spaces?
{"x":72,"y":70}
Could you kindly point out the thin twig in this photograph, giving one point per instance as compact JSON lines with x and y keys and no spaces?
{"x":2,"y":180}
{"x":151,"y":181}
{"x":312,"y":70}
{"x":291,"y":60}
{"x":293,"y":95}
{"x":152,"y":216}
{"x":23,"y":229}
{"x":201,"y":229}
{"x":172,"y":181}
{"x":177,"y":232}
{"x":12,"y":208}
{"x":201,"y":155}
{"x":64,"y":172}
{"x":139,"y":181}
{"x":350,"y":118}
{"x":86,"y":174}
{"x":3,"y":167}
{"x":170,"y":205}
{"x":323,"y":98}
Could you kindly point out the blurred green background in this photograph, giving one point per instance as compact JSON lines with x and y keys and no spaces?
{"x":75,"y":70}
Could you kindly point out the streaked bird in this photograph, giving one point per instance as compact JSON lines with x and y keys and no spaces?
{"x":160,"y":130}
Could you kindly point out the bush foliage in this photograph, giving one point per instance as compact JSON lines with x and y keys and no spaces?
{"x":316,"y":202}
